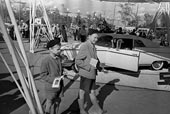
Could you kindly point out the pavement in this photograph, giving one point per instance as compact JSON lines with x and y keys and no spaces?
{"x":118,"y":91}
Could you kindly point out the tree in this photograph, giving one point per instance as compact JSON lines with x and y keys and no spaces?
{"x":128,"y":17}
{"x":147,"y":19}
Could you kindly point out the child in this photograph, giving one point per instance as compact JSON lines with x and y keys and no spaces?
{"x":50,"y":69}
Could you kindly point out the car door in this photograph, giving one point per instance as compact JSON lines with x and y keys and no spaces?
{"x":123,"y":56}
{"x":102,"y":46}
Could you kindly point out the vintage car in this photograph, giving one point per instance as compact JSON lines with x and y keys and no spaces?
{"x":125,"y":52}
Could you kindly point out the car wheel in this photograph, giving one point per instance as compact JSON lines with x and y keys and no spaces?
{"x":157,"y":65}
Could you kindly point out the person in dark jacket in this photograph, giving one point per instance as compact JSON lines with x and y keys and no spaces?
{"x":50,"y":69}
{"x":64,"y":33}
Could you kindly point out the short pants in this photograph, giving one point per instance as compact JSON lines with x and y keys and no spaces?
{"x":87,"y":84}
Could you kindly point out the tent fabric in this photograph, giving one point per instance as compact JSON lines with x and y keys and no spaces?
{"x":161,"y":20}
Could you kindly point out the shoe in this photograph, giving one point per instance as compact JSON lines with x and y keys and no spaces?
{"x":104,"y":112}
{"x":81,"y":106}
{"x":47,"y":113}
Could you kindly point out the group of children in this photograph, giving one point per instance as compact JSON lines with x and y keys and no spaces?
{"x":52,"y":73}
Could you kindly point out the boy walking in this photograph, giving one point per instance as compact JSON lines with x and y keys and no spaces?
{"x":50,"y":69}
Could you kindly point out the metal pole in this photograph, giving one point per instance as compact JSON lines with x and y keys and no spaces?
{"x":30,"y":26}
{"x":47,"y":20}
{"x":16,"y":63}
{"x":20,"y":11}
{"x":137,"y":15}
{"x":114,"y":11}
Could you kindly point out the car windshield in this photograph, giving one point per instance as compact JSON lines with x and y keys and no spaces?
{"x":121,"y":43}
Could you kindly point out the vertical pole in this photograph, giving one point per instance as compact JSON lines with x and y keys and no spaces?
{"x":168,"y":28}
{"x":16,"y":63}
{"x":137,"y":15}
{"x":30,"y":24}
{"x":1,"y":9}
{"x":47,"y":20}
{"x":33,"y":24}
{"x":19,"y":10}
{"x":114,"y":12}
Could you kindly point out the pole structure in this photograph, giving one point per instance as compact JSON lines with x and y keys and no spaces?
{"x":16,"y":63}
{"x":30,"y":25}
{"x":114,"y":12}
{"x":47,"y":20}
{"x":33,"y":85}
{"x":30,"y":77}
{"x":137,"y":15}
{"x":168,"y":25}
{"x":32,"y":20}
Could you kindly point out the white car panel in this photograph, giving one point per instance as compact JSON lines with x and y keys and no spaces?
{"x":124,"y":59}
{"x":102,"y":53}
{"x":150,"y":55}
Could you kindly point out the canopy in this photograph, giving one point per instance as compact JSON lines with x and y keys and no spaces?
{"x":161,"y":21}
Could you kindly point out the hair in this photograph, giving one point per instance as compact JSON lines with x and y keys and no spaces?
{"x":54,"y":42}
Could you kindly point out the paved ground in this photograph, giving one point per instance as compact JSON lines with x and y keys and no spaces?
{"x":118,"y":92}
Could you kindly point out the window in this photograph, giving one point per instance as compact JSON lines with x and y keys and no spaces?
{"x":104,"y":41}
{"x":138,"y":43}
{"x":126,"y":43}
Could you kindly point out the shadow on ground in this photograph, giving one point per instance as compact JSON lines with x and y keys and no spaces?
{"x":4,"y":75}
{"x":10,"y":96}
{"x":105,"y":91}
{"x":10,"y":102}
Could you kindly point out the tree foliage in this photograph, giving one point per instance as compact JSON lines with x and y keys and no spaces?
{"x":128,"y":17}
{"x":147,"y":19}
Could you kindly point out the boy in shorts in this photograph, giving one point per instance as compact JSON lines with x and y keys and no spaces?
{"x":88,"y":64}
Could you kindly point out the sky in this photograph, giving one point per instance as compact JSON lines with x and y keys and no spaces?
{"x":105,"y":8}
{"x":90,"y":6}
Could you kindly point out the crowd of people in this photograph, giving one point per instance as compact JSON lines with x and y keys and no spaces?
{"x":161,"y":38}
{"x":79,"y":33}
{"x":23,"y":28}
